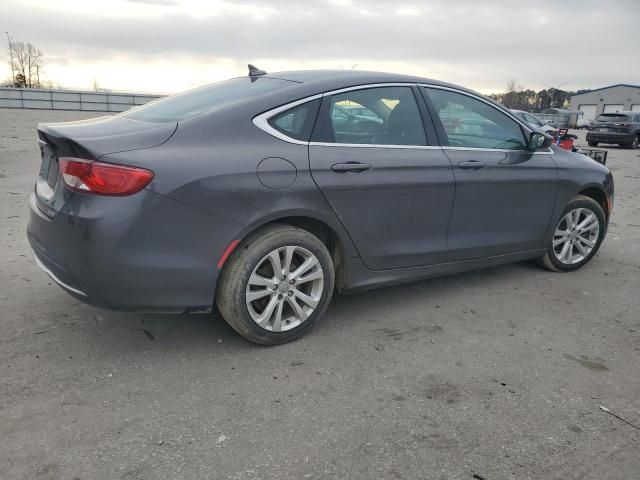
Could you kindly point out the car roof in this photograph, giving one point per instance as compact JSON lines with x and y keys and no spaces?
{"x":521,"y":111}
{"x":348,"y":77}
{"x":326,"y":80}
{"x":308,"y":83}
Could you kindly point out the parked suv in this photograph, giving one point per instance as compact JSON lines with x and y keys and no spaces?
{"x":622,"y":128}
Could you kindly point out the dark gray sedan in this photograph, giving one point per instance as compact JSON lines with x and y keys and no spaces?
{"x":259,"y":195}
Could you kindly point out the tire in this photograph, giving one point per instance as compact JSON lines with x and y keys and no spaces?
{"x":592,"y":144}
{"x":577,"y":253}
{"x":271,"y":318}
{"x":634,"y":143}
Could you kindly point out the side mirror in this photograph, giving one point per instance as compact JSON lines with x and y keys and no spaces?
{"x":539,"y":140}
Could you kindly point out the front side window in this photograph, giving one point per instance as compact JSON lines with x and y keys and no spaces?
{"x":373,"y":116}
{"x":471,"y":123}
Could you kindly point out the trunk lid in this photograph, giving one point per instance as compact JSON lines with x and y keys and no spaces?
{"x":90,"y":140}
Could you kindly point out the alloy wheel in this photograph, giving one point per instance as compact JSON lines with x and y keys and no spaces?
{"x":284,"y":288}
{"x":576,"y":236}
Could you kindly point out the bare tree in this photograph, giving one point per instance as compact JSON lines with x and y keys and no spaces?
{"x":26,"y":61}
{"x":13,"y":72}
{"x":96,"y":85}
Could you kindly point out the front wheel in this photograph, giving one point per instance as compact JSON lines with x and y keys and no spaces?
{"x":577,"y":236}
{"x":592,"y":144}
{"x":276,"y":284}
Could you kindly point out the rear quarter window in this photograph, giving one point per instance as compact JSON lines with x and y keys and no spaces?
{"x":297,"y":122}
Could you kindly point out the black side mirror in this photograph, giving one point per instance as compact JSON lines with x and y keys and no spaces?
{"x":539,"y":140}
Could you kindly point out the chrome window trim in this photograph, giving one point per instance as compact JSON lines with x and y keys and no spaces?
{"x":476,"y":149}
{"x":262,"y":121}
{"x":373,"y":145}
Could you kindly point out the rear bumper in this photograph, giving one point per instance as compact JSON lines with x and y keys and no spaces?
{"x":144,"y":252}
{"x":609,"y":137}
{"x":72,"y":290}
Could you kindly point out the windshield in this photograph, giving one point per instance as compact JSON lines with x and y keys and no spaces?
{"x":533,"y":120}
{"x":612,"y":117}
{"x":204,"y":99}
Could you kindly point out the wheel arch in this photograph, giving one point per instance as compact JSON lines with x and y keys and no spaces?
{"x":597,"y":193}
{"x":332,"y":235}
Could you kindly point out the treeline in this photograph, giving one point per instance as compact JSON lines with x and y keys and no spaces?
{"x":529,"y":100}
{"x":25,"y":61}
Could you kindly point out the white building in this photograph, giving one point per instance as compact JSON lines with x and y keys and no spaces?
{"x":615,"y":98}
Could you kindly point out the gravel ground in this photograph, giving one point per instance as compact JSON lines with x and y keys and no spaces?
{"x":497,"y":373}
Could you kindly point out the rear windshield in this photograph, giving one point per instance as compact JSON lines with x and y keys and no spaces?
{"x":612,"y":117}
{"x":204,"y":99}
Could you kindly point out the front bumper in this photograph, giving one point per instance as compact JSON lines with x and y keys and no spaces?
{"x":609,"y":137}
{"x":144,"y":252}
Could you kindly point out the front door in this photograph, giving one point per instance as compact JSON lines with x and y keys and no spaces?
{"x":370,"y":157}
{"x":505,"y":193}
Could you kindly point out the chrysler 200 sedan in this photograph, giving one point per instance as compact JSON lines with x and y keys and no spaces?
{"x":259,"y":196}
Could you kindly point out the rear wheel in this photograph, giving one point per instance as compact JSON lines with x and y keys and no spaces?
{"x":276,"y":284}
{"x":634,"y":142}
{"x":577,"y":236}
{"x":592,"y":144}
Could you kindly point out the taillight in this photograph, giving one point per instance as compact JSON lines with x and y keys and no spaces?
{"x":103,"y":178}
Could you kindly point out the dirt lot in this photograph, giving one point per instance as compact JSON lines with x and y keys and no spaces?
{"x":497,"y":373}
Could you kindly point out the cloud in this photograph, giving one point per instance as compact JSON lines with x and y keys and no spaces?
{"x":474,"y":43}
{"x":164,"y":3}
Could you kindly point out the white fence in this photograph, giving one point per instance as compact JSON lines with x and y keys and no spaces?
{"x":34,"y":98}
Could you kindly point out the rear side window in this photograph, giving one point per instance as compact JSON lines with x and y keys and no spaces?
{"x":372,"y":116}
{"x":471,"y":123}
{"x":612,"y":117}
{"x":297,"y":122}
{"x":204,"y":99}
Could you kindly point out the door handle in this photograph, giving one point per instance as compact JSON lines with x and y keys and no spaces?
{"x":471,"y":164}
{"x":353,"y":167}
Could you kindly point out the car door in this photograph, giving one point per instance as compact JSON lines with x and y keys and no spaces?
{"x":505,"y":193}
{"x":390,"y":188}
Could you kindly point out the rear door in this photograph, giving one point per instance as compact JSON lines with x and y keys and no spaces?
{"x":505,"y":194}
{"x":386,"y":180}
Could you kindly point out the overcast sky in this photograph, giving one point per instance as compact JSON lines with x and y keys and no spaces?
{"x":171,"y":45}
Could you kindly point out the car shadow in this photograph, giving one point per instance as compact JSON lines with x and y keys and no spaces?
{"x":114,"y":333}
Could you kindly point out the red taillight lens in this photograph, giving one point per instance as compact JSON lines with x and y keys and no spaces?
{"x":103,"y":178}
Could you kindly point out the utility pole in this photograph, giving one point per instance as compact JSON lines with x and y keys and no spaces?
{"x":13,"y":74}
